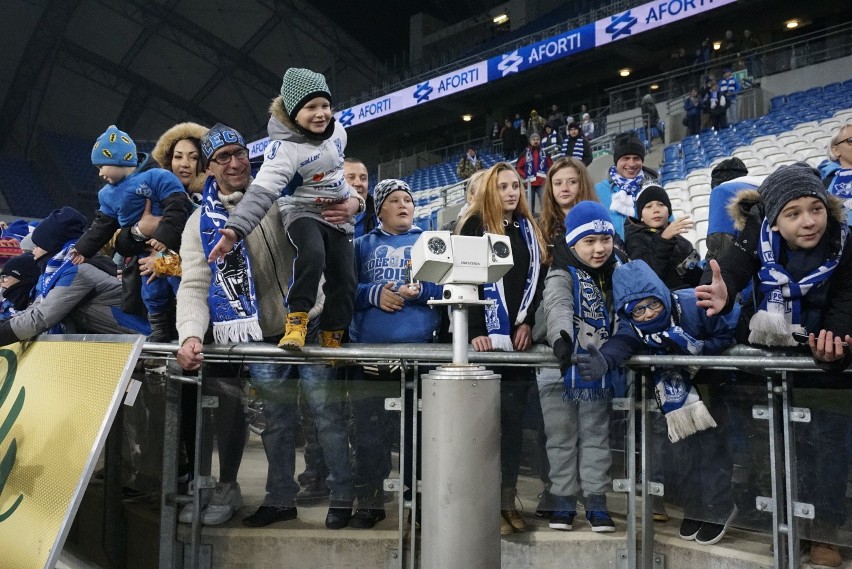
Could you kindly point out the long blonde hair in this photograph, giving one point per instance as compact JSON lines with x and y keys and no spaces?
{"x":552,"y":218}
{"x":488,"y":206}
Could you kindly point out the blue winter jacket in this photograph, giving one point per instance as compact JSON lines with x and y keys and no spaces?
{"x":380,"y":258}
{"x":635,"y":281}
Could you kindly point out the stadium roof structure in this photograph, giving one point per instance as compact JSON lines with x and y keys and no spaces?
{"x":76,"y":66}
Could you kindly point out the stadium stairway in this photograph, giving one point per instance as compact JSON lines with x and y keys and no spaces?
{"x":306,"y":543}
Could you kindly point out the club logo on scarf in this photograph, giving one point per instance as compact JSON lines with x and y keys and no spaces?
{"x":492,"y":319}
{"x":670,"y":388}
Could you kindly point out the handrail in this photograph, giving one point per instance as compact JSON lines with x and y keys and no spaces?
{"x":737,"y":357}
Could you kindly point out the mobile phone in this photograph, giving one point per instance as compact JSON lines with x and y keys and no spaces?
{"x":803,"y":339}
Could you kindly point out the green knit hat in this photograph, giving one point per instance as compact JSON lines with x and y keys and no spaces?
{"x":299,"y":87}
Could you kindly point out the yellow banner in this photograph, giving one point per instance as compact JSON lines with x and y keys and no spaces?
{"x":57,"y":401}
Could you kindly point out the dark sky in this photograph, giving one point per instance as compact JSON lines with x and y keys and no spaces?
{"x":382,"y":25}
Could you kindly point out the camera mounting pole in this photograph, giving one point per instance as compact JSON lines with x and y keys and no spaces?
{"x":461,"y":412}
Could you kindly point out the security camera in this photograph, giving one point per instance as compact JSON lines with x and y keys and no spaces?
{"x":460,"y":262}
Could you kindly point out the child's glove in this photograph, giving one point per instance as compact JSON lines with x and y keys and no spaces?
{"x":592,"y":366}
{"x":562,"y":349}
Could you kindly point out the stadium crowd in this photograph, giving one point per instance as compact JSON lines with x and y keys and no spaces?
{"x":301,"y":253}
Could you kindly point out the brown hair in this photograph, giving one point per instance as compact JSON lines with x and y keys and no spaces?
{"x":552,"y":218}
{"x":488,"y":206}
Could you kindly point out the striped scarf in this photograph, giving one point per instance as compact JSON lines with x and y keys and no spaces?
{"x":592,"y":324}
{"x":497,"y":313}
{"x":623,"y":201}
{"x":779,"y":314}
{"x":533,"y":168}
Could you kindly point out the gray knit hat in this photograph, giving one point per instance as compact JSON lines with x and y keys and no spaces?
{"x":385,"y":188}
{"x":299,"y":87}
{"x":788,"y":183}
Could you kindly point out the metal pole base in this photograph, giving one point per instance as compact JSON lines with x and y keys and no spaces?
{"x":461,"y":468}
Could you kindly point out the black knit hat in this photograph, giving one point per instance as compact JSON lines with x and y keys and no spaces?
{"x":727,"y":170}
{"x":652,"y":193}
{"x":788,"y":183}
{"x":299,"y":87}
{"x":23,"y":267}
{"x":58,"y":228}
{"x":627,"y":144}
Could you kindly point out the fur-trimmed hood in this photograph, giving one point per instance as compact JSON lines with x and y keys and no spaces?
{"x":281,"y":127}
{"x":162,"y":152}
{"x":746,"y":204}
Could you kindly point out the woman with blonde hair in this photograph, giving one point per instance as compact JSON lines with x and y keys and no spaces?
{"x":500,"y":207}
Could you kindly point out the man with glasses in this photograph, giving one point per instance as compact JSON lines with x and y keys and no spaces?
{"x":240,"y":295}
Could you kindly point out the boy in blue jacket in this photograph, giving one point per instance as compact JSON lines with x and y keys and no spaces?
{"x":663,"y":322}
{"x":130,"y":182}
{"x":389,"y":308}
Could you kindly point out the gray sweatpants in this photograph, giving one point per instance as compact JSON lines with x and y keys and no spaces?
{"x":577,"y":439}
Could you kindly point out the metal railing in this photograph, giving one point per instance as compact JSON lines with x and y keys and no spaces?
{"x":776,"y":371}
{"x":815,"y":47}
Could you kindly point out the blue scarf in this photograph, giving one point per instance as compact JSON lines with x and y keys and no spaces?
{"x":231,"y":298}
{"x":676,"y":396}
{"x":497,"y":313}
{"x":841,"y":186}
{"x":57,"y":266}
{"x":779,"y":314}
{"x":533,"y":169}
{"x":623,"y":201}
{"x":592,"y":324}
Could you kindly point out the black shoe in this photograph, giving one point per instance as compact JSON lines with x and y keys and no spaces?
{"x":266,"y":515}
{"x":314,"y":493}
{"x":689,"y":529}
{"x":338,"y":518}
{"x":365,"y":518}
{"x":711,"y":533}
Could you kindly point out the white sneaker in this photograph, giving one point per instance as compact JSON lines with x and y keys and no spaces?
{"x":224,"y":503}
{"x":185,"y":515}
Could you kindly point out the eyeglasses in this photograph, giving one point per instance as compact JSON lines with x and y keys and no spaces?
{"x":846,"y":140}
{"x":639,"y":311}
{"x":224,"y":158}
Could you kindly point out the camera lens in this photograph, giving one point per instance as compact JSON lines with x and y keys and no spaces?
{"x":501,"y":249}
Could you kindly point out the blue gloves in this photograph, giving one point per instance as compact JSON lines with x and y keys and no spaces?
{"x":592,"y":366}
{"x":563,"y":349}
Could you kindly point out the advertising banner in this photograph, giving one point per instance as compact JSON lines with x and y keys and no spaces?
{"x":649,"y":16}
{"x":546,"y":51}
{"x":58,"y":398}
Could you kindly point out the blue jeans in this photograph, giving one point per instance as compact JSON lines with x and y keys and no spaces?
{"x":326,"y":396}
{"x":277,"y":386}
{"x":158,"y":294}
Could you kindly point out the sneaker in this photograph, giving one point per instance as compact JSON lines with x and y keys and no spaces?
{"x":711,"y":533}
{"x":545,"y":506}
{"x":186,"y":513}
{"x":224,"y":503}
{"x":600,"y":521}
{"x":314,"y":493}
{"x":266,"y":515}
{"x":562,"y":520}
{"x":825,"y":555}
{"x":295,"y":330}
{"x":689,"y":529}
{"x":365,"y":518}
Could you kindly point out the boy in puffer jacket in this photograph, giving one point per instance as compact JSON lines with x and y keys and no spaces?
{"x":669,"y":323}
